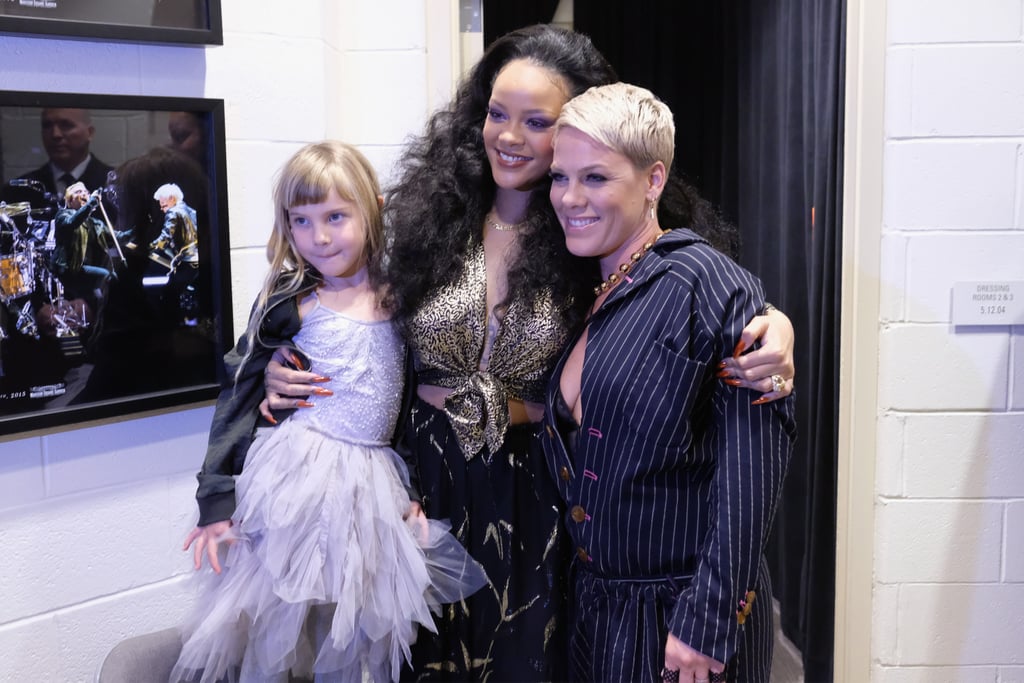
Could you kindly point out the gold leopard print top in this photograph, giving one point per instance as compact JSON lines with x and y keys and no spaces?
{"x":448,"y":335}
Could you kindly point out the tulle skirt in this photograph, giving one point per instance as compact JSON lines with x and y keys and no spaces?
{"x":324,"y":576}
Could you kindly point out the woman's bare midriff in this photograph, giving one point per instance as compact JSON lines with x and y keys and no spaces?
{"x":519,"y":411}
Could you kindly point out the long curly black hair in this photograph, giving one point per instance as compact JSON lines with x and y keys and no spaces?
{"x":435,"y":210}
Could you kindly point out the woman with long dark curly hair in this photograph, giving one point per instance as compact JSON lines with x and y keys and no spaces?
{"x":487,"y":294}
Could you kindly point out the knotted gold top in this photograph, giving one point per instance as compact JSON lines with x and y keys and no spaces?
{"x":448,"y":336}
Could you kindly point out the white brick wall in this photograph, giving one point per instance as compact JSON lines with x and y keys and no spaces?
{"x":916,"y":364}
{"x":937,"y":541}
{"x":953,"y":21}
{"x":92,"y":517}
{"x":955,"y":624}
{"x":935,"y":674}
{"x":959,"y":184}
{"x":1013,"y":561}
{"x":931,"y":259}
{"x":949,"y":525}
{"x":971,"y":456}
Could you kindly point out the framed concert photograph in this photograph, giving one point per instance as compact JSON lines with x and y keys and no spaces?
{"x":141,"y":21}
{"x":114,"y":266}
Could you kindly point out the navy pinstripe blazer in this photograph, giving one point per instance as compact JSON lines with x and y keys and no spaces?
{"x":675,"y":473}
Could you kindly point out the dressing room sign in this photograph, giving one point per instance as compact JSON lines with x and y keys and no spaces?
{"x":988,"y":303}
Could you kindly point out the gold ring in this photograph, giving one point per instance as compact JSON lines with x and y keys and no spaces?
{"x":778,"y":383}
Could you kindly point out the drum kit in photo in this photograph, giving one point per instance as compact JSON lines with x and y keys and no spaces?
{"x":27,"y":278}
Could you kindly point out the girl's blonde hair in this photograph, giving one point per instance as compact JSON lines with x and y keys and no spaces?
{"x":308,"y":178}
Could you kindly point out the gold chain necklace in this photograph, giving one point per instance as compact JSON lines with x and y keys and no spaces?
{"x":626,"y":266}
{"x":504,"y":227}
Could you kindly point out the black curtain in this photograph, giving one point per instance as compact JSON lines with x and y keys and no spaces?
{"x":502,"y":16}
{"x":756,"y":87}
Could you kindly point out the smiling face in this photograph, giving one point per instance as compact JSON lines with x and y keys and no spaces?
{"x":525,"y":102}
{"x":602,"y":199}
{"x":330,"y":236}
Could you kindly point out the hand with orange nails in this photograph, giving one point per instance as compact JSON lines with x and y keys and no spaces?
{"x":768,"y":368}
{"x":288,"y":386}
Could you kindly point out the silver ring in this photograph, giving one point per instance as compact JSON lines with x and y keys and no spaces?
{"x":778,"y":384}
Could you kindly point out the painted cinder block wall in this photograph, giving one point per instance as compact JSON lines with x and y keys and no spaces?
{"x":949,"y":526}
{"x":92,"y":517}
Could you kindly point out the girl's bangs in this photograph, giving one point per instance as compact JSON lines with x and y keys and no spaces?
{"x":313,"y":188}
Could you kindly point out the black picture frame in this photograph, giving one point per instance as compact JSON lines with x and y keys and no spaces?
{"x":187,"y":22}
{"x":121,"y":307}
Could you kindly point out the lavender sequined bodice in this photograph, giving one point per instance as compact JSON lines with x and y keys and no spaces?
{"x":365,"y":361}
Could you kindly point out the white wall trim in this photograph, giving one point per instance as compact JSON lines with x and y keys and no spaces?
{"x":858,"y":375}
{"x":443,"y":51}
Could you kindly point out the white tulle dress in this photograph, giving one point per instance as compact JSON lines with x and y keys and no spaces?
{"x":326,"y":577}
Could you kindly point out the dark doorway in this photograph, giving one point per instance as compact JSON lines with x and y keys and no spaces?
{"x":756,"y":87}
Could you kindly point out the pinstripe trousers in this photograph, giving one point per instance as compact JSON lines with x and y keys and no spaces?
{"x":619,"y":628}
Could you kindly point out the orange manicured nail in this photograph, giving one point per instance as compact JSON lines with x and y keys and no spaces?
{"x":320,"y":391}
{"x":271,"y":420}
{"x":740,"y":346}
{"x":304,"y":404}
{"x":733,"y":382}
{"x":321,"y":379}
{"x":723,"y":374}
{"x":759,"y":401}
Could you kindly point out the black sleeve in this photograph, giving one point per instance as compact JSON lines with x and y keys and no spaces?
{"x":237,"y":413}
{"x":231,"y":433}
{"x":398,"y":441}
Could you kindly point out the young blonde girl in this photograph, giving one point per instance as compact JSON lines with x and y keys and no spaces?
{"x":331,"y":565}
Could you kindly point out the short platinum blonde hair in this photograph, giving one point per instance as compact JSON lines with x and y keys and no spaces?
{"x":167,"y":191}
{"x":625,"y":118}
